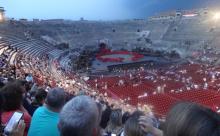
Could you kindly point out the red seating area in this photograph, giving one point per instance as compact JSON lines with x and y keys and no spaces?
{"x":163,"y":102}
{"x":199,"y":96}
{"x":160,"y":103}
{"x":145,"y":91}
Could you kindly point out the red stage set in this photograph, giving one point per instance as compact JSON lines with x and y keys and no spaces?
{"x":106,"y":55}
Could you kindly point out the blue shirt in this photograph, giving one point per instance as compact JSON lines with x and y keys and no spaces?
{"x":29,"y":79}
{"x":44,"y":123}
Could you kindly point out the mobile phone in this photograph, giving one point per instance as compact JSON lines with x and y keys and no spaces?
{"x":14,"y":120}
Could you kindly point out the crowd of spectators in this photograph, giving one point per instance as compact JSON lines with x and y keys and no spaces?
{"x":6,"y":70}
{"x":82,"y":115}
{"x":30,"y":91}
{"x":67,"y":107}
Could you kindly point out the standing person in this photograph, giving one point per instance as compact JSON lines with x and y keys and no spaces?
{"x":39,"y":100}
{"x":45,"y":119}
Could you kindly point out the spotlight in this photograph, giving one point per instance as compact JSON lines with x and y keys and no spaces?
{"x":216,"y":16}
{"x":1,"y":17}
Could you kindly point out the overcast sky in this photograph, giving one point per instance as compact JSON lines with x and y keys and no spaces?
{"x":96,"y":9}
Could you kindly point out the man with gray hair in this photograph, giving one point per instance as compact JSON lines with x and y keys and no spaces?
{"x":79,"y":117}
{"x":45,"y":119}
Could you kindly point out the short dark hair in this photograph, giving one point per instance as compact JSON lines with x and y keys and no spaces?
{"x":56,"y":98}
{"x":190,"y":119}
{"x":40,"y":95}
{"x":12,"y":93}
{"x":105,"y":117}
{"x":125,"y":117}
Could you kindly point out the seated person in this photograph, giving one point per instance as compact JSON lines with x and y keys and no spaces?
{"x":190,"y":119}
{"x":115,"y":123}
{"x":79,"y":117}
{"x":140,"y":124}
{"x":12,"y":93}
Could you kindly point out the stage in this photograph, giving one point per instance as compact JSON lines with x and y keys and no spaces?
{"x":124,"y":61}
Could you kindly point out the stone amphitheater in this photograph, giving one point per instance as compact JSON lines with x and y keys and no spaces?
{"x":185,"y":35}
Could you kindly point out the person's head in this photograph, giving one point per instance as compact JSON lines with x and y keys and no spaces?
{"x":55,"y":99}
{"x":125,"y":117}
{"x":27,"y":85}
{"x":13,"y":94}
{"x":116,"y":117}
{"x":190,"y":119}
{"x":132,"y":127}
{"x":40,"y":96}
{"x":23,"y":84}
{"x":79,"y":117}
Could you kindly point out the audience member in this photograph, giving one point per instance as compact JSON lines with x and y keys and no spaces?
{"x":105,"y":116}
{"x":140,"y":124}
{"x":38,"y":101}
{"x":79,"y":117}
{"x":29,"y":78}
{"x":45,"y":119}
{"x":115,"y":123}
{"x":190,"y":119}
{"x":12,"y":93}
{"x":125,"y":117}
{"x":18,"y":130}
